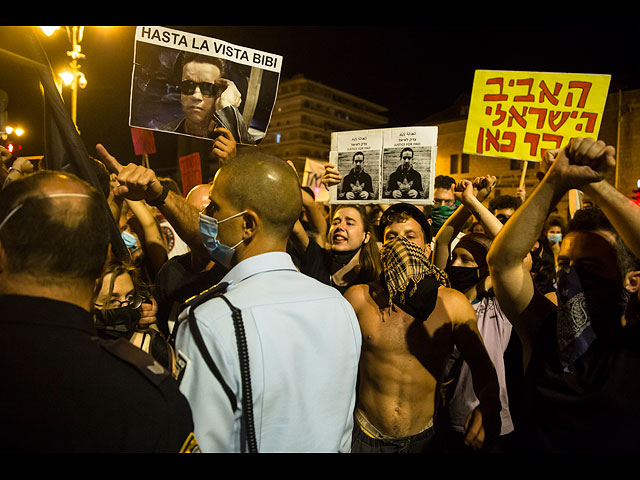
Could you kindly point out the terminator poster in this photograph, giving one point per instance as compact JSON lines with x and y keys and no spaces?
{"x":189,"y":84}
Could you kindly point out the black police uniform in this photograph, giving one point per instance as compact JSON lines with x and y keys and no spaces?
{"x":65,"y":390}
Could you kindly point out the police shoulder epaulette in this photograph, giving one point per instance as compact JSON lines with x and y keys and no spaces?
{"x":133,"y":355}
{"x":206,"y":294}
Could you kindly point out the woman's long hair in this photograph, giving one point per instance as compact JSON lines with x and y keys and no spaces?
{"x":370,"y":262}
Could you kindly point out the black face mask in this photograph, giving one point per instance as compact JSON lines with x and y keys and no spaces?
{"x":462,"y":278}
{"x":116,"y":322}
{"x":343,"y":258}
{"x":588,"y":307}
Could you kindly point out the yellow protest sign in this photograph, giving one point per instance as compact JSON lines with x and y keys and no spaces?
{"x":521,"y":115}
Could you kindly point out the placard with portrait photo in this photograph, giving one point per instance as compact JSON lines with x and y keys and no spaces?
{"x":385,"y":165}
{"x":189,"y":84}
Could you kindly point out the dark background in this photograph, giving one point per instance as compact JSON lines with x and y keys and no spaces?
{"x":413,"y":71}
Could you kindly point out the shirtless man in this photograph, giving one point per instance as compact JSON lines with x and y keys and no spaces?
{"x":406,"y":343}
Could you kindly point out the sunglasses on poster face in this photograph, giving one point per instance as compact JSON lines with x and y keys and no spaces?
{"x":188,"y":87}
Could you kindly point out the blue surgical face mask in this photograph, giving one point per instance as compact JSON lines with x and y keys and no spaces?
{"x":209,"y":235}
{"x":554,"y":237}
{"x":130,"y":241}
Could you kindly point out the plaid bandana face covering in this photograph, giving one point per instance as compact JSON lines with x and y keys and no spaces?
{"x":412,"y":281}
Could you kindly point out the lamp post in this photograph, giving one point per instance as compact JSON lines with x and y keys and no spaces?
{"x":75,"y":78}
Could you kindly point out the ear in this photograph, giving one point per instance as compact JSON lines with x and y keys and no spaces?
{"x":250,"y":223}
{"x":367,"y":236}
{"x":632,"y":281}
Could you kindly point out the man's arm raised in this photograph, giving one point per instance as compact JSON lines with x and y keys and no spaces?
{"x":136,"y":182}
{"x":621,"y":211}
{"x":567,"y":168}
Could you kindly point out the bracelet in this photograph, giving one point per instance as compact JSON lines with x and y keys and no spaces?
{"x":160,"y":200}
{"x":11,"y":169}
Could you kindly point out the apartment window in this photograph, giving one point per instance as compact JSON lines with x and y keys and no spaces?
{"x":454,"y":163}
{"x":464,"y":163}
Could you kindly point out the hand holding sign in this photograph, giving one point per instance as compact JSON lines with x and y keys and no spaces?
{"x":135,"y":182}
{"x":331,"y":175}
{"x":224,"y":146}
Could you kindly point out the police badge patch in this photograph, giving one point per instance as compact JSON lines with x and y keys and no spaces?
{"x":181,"y":365}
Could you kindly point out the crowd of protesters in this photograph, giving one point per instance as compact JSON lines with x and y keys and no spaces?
{"x":248,"y":317}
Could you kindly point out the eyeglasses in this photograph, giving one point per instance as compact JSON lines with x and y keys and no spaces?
{"x":132,"y":301}
{"x":188,"y":87}
{"x":440,"y":201}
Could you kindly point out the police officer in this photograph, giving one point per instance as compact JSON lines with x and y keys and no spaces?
{"x":65,"y":390}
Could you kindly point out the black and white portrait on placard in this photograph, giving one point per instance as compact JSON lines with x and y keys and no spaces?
{"x":386,"y":165}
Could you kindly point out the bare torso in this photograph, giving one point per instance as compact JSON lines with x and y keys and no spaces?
{"x":401,"y":361}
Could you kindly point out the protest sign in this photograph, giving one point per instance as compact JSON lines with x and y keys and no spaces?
{"x":189,"y":84}
{"x":143,"y":141}
{"x":521,"y":115}
{"x":312,"y":178}
{"x":385,"y":165}
{"x":190,"y":171}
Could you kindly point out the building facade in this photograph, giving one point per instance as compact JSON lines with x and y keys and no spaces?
{"x":307,"y":112}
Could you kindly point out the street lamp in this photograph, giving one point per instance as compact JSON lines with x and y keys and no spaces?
{"x":74,"y":78}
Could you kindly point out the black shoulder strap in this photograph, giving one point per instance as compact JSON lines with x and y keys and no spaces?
{"x":197,"y":336}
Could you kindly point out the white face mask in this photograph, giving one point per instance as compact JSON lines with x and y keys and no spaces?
{"x":221,"y":254}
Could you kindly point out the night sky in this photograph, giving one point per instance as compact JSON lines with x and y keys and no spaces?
{"x":413,"y":71}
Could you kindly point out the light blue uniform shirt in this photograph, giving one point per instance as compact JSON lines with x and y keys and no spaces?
{"x":304,"y":345}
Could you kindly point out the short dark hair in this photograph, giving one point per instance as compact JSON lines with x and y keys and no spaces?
{"x":443,"y":181}
{"x":54,"y":239}
{"x":399,"y":212}
{"x":504,"y":201}
{"x":406,"y":149}
{"x":187,"y":57}
{"x":556,"y":221}
{"x":592,"y":219}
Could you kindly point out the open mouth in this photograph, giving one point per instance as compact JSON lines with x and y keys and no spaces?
{"x":339,"y":238}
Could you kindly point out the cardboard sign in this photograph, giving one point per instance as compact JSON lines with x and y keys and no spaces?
{"x":385,"y":165}
{"x":191,"y":172}
{"x":521,"y":115}
{"x":143,"y":141}
{"x":312,"y":178}
{"x":193,"y":85}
